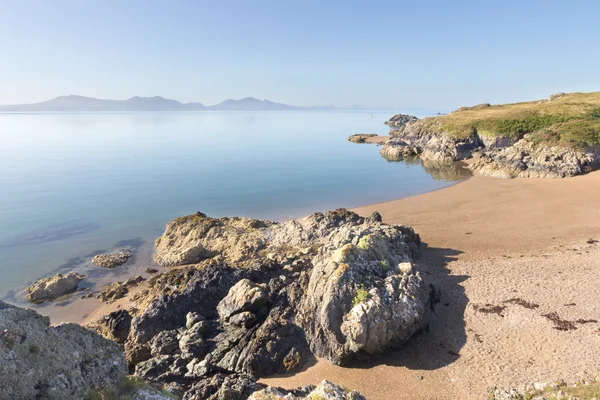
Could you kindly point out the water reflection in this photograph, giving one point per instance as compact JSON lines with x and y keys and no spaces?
{"x":439,"y":170}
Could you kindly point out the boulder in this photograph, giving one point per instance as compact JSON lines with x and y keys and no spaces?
{"x":243,"y":296}
{"x":114,"y":259}
{"x":53,"y":362}
{"x":54,"y":287}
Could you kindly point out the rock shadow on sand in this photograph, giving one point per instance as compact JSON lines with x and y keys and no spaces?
{"x":444,"y":334}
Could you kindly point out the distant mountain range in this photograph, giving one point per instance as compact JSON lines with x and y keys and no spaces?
{"x":157,"y":103}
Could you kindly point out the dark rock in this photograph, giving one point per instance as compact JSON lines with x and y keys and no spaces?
{"x":114,"y":326}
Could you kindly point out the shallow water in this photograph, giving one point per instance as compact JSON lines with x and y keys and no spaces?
{"x":75,"y":184}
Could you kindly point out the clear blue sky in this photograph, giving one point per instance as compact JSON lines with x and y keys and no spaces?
{"x":404,"y":54}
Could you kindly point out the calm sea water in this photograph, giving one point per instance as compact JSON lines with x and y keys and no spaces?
{"x":74,"y":184}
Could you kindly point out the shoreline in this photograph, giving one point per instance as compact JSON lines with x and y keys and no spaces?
{"x":487,"y":241}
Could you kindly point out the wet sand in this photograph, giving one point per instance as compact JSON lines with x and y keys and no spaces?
{"x":513,"y":263}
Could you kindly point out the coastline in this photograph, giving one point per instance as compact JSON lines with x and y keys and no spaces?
{"x":482,"y":237}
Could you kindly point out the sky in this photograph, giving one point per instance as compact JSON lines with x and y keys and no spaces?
{"x":393,"y":54}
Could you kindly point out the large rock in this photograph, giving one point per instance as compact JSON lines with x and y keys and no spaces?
{"x":267,"y":297}
{"x":114,"y":259}
{"x":190,"y":239}
{"x":54,"y":287}
{"x":243,"y":296}
{"x":419,"y":139}
{"x":59,"y":362}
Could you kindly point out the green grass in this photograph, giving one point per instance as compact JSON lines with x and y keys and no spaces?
{"x":572,"y":120}
{"x":360,"y":296}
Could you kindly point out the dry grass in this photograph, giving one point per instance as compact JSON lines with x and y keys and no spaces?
{"x":572,"y":120}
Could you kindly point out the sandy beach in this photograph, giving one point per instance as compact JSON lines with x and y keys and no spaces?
{"x":509,"y":257}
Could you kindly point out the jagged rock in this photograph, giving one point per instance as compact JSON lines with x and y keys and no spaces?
{"x":220,"y":386}
{"x":58,"y":362}
{"x":54,"y":287}
{"x":118,"y":290}
{"x":324,"y":285}
{"x":114,"y":326}
{"x":526,"y":160}
{"x":417,"y":139}
{"x":361,"y":137}
{"x":243,"y":296}
{"x":165,"y":343}
{"x":114,"y":259}
{"x":190,"y":239}
{"x":400,"y":120}
{"x":324,"y":391}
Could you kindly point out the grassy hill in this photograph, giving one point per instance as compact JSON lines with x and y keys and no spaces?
{"x":571,"y":120}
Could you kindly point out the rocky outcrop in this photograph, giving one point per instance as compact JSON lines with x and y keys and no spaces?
{"x":117,"y":290}
{"x":526,"y":160}
{"x":361,"y":137}
{"x":58,"y":362}
{"x":498,"y":156}
{"x":54,"y":287}
{"x":418,"y":139}
{"x":114,"y":326}
{"x":265,"y":297}
{"x":114,"y":259}
{"x":400,"y":120}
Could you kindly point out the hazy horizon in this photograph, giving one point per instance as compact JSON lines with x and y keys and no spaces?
{"x":434,"y":55}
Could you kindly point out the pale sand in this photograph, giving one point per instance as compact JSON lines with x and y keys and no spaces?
{"x":377,"y":139}
{"x":489,"y":241}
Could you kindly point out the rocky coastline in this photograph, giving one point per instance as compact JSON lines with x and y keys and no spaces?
{"x":252,"y":298}
{"x":529,"y":146}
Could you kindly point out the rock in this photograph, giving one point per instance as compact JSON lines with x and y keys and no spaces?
{"x":526,"y":160}
{"x":400,"y":120}
{"x":165,"y":343}
{"x":418,"y":139}
{"x":192,"y":318}
{"x":267,"y":297}
{"x":118,"y":290}
{"x":243,"y":296}
{"x":114,"y":326}
{"x":114,"y":259}
{"x":556,"y":96}
{"x":54,"y":287}
{"x":361,"y":137}
{"x":53,"y":362}
{"x":324,"y":391}
{"x":191,"y":239}
{"x":151,"y":270}
{"x":220,"y":386}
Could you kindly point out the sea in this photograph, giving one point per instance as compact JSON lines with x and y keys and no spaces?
{"x":76,"y":184}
